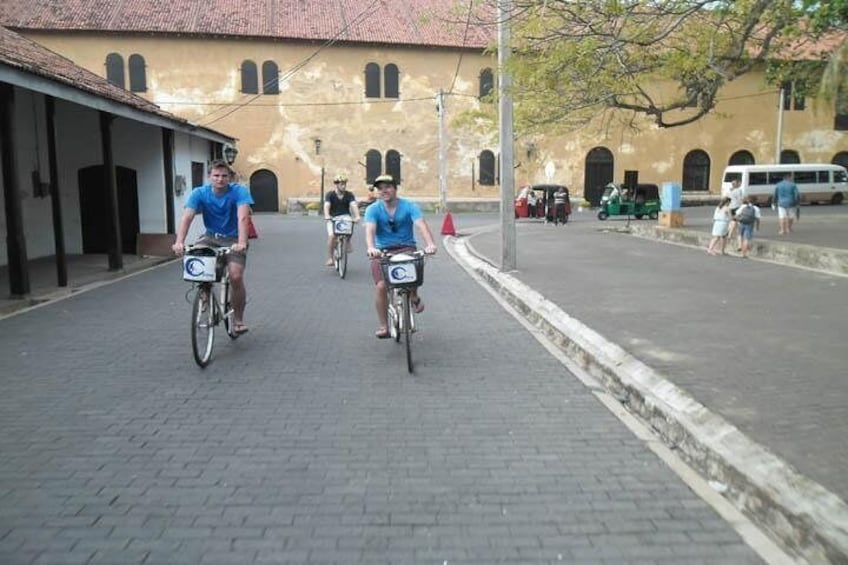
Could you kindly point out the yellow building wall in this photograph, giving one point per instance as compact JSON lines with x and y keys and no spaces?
{"x":200,"y":80}
{"x":322,"y":97}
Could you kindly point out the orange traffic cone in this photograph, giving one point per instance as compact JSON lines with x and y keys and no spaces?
{"x":447,"y":225}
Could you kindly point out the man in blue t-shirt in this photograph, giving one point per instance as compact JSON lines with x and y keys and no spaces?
{"x":787,"y":199}
{"x":389,"y":227}
{"x":225,"y":207}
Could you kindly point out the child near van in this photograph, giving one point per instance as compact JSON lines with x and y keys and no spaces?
{"x":721,"y":227}
{"x":748,"y":218}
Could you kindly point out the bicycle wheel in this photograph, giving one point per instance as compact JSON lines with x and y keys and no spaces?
{"x":399,"y":321}
{"x":227,"y":314}
{"x":391,"y":317}
{"x":341,"y":256}
{"x":203,"y":325}
{"x":407,"y":330}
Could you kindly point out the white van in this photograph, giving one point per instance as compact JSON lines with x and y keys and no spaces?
{"x":816,"y":182}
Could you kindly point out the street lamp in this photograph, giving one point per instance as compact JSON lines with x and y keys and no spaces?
{"x":230,"y":154}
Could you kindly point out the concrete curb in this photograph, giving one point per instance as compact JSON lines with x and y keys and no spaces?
{"x":830,"y":260}
{"x":805,"y":518}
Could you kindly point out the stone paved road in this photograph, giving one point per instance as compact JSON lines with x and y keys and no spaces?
{"x":307,"y":442}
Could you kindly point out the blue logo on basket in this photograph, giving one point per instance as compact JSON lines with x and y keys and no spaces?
{"x":195,"y":267}
{"x":402,"y":273}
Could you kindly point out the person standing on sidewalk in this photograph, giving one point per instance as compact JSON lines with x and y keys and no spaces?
{"x":531,"y":203}
{"x":225,"y":208}
{"x":748,"y":217}
{"x":721,"y":225}
{"x":560,"y":205}
{"x":787,"y":198}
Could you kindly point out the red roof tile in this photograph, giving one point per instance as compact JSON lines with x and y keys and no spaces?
{"x":399,"y":22}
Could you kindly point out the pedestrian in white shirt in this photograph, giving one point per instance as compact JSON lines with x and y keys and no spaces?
{"x":735,"y":194}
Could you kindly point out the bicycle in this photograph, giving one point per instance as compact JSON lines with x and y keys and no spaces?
{"x":402,"y":273}
{"x":206,"y":267}
{"x":342,"y":228}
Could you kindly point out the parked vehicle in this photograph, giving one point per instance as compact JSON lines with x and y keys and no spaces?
{"x":544,"y":202}
{"x":522,"y":206}
{"x":816,"y":182}
{"x":618,"y":201}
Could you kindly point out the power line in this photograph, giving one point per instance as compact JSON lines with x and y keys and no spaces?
{"x":756,"y":94}
{"x":462,"y":52}
{"x":300,"y":104}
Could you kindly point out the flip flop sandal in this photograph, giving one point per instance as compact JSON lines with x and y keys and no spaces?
{"x":382,"y":333}
{"x":239,"y":329}
{"x":418,"y":305}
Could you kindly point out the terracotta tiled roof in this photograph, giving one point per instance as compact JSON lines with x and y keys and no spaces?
{"x":21,"y":53}
{"x":399,"y":22}
{"x":812,"y":49}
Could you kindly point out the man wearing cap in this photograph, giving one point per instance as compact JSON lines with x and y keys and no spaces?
{"x":389,"y":227}
{"x":339,"y":202}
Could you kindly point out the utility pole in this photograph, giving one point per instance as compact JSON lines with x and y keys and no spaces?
{"x":443,"y":165}
{"x":778,"y":146}
{"x":507,"y":168}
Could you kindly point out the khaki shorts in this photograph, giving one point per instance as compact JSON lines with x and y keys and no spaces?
{"x":237,"y":257}
{"x":784,"y":213}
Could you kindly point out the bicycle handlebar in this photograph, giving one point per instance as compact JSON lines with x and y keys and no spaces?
{"x":417,"y":253}
{"x":222,"y":250}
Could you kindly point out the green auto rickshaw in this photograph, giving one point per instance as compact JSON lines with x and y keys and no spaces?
{"x":617,"y":200}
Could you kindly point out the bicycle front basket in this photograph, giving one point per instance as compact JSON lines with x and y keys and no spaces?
{"x":342,"y":226}
{"x":199,"y":265}
{"x":403,"y":272}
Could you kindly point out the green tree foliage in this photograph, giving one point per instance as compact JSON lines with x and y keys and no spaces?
{"x":665,"y":59}
{"x":829,"y":19}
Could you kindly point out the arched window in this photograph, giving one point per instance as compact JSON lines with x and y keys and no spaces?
{"x":696,"y":170}
{"x":249,"y":78}
{"x":487,"y":82}
{"x":487,"y":168}
{"x":115,"y":69}
{"x":373,"y":165}
{"x":390,"y":75}
{"x":741,"y":157}
{"x":372,"y":81}
{"x":790,"y":157}
{"x":270,"y":78}
{"x":393,"y":164}
{"x":840,"y":120}
{"x":841,"y":158}
{"x":138,"y":78}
